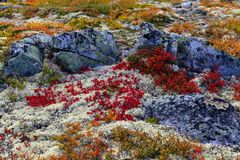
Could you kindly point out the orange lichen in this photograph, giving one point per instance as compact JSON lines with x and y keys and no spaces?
{"x":76,"y":145}
{"x":45,"y":27}
{"x":141,"y":145}
{"x":224,"y":35}
{"x":183,"y":27}
{"x":218,"y":3}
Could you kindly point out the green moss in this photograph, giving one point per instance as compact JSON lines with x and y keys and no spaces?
{"x":113,"y":25}
{"x":143,"y":146}
{"x":234,"y":27}
{"x":3,"y":55}
{"x":133,"y":58}
{"x":83,"y":23}
{"x":7,"y":13}
{"x":99,"y":7}
{"x":16,"y":82}
{"x":13,"y":97}
{"x":48,"y":76}
{"x":159,"y":20}
{"x":4,"y":25}
{"x":152,"y":120}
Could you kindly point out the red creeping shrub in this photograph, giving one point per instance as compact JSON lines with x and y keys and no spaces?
{"x":84,"y":69}
{"x":117,"y":94}
{"x":158,"y":63}
{"x":236,"y":89}
{"x":177,"y":82}
{"x":50,"y":95}
{"x":212,"y":80}
{"x":126,"y":97}
{"x":121,"y":66}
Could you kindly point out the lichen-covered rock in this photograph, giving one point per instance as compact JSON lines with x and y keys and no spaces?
{"x":74,"y":50}
{"x":89,"y":44}
{"x":104,"y":41}
{"x":25,"y":60}
{"x":72,"y":62}
{"x":192,"y":53}
{"x":40,"y":40}
{"x":206,"y":119}
{"x":186,"y":5}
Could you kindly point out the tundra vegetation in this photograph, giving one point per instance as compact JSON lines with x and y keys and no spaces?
{"x":112,"y":97}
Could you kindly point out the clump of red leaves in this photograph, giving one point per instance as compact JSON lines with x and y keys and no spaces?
{"x":7,"y":139}
{"x":117,"y":94}
{"x":84,"y":69}
{"x":50,"y":95}
{"x":212,"y":80}
{"x":236,"y":89}
{"x":159,"y":63}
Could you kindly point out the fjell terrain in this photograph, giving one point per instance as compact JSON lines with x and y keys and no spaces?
{"x":119,"y":80}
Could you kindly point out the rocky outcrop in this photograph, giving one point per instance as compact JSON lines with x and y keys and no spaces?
{"x":27,"y":55}
{"x":72,"y":50}
{"x":208,"y":119}
{"x":72,"y":62}
{"x":40,"y":40}
{"x":87,"y":48}
{"x":25,"y":60}
{"x":192,"y":53}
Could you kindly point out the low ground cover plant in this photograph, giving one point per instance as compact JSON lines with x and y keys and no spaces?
{"x":219,"y":3}
{"x":158,"y":64}
{"x":236,"y":89}
{"x":45,"y":27}
{"x":224,"y":35}
{"x":7,"y":139}
{"x":83,"y":23}
{"x":14,"y":33}
{"x":212,"y":80}
{"x":100,"y":6}
{"x":183,"y":28}
{"x":116,"y":94}
{"x":76,"y":145}
{"x":142,"y":146}
{"x":49,"y":75}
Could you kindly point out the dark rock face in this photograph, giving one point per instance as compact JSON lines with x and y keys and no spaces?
{"x":3,"y":87}
{"x":27,"y":55}
{"x":5,"y":7}
{"x":40,"y":40}
{"x":72,"y":62}
{"x":25,"y":60}
{"x":198,"y":117}
{"x":192,"y":53}
{"x":73,"y":50}
{"x":89,"y":45}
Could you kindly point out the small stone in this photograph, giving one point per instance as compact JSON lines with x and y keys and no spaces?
{"x":186,"y":5}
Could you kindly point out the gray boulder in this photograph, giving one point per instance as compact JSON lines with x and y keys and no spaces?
{"x":186,"y":5}
{"x":73,"y":50}
{"x":27,"y":55}
{"x":208,"y":119}
{"x":90,"y":46}
{"x":25,"y":60}
{"x":40,"y":40}
{"x":72,"y":62}
{"x":192,"y":53}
